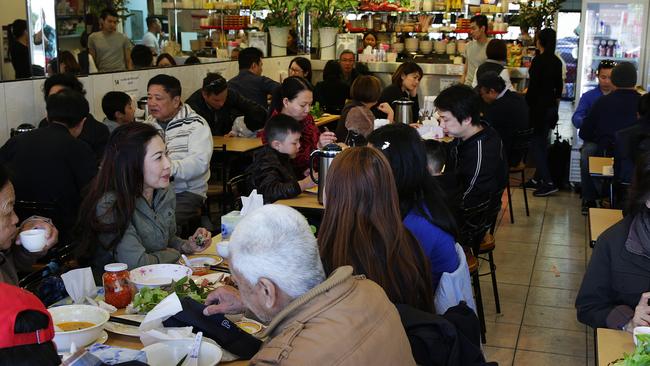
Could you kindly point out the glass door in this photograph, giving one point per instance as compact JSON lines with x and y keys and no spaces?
{"x":611,"y":30}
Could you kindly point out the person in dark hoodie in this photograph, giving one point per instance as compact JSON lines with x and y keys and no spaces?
{"x":477,"y":152}
{"x":94,"y":133}
{"x":271,"y":172}
{"x":220,"y":105}
{"x":615,"y":289}
{"x":632,"y":141}
{"x":609,"y":114}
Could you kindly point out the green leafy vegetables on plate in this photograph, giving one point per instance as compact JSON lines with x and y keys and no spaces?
{"x":641,"y":354}
{"x":147,"y":298}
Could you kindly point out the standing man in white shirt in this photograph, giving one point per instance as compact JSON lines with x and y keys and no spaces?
{"x":475,"y":51}
{"x":151,"y":39}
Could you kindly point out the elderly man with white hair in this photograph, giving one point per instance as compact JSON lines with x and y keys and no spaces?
{"x":342,"y":319}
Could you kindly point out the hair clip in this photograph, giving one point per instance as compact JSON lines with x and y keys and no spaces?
{"x":385,"y":145}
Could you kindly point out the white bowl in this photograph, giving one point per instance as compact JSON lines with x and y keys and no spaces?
{"x":156,"y":275}
{"x":640,"y":330}
{"x":170,"y":352}
{"x":78,"y":313}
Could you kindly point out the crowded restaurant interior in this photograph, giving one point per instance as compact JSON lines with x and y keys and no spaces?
{"x":334,"y":182}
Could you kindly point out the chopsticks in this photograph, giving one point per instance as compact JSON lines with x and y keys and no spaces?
{"x":116,"y":319}
{"x":218,"y":268}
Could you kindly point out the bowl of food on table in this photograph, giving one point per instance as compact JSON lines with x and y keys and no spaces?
{"x":78,"y":324}
{"x":157,"y":275}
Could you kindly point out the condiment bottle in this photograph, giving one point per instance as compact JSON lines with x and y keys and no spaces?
{"x":117,"y":287}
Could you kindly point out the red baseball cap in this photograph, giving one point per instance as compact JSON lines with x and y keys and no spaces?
{"x":15,"y":300}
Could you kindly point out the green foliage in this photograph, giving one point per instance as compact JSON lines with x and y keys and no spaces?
{"x":641,"y":354}
{"x":316,"y":111}
{"x":328,"y":13}
{"x":95,"y":7}
{"x":539,"y":14}
{"x":283,"y":12}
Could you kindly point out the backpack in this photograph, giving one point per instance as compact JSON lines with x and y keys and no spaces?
{"x":436,"y":341}
{"x":559,"y":157}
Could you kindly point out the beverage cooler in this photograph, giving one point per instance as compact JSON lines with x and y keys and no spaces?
{"x":612,"y":30}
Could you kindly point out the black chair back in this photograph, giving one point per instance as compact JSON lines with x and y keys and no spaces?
{"x":519,"y":148}
{"x":235,"y":188}
{"x":475,"y":222}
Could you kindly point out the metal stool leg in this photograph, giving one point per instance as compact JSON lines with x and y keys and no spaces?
{"x":523,"y":177}
{"x":479,"y":304}
{"x":512,"y":217}
{"x":493,"y":274}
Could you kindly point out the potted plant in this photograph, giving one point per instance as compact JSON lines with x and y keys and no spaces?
{"x":278,"y":21}
{"x":328,"y":15}
{"x":539,"y":14}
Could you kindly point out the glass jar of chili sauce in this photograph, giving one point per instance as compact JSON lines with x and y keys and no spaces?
{"x":117,"y":287}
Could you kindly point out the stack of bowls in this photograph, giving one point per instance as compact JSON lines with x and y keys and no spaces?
{"x":412,"y":44}
{"x":426,"y":47}
{"x":398,"y":47}
{"x":441,"y":47}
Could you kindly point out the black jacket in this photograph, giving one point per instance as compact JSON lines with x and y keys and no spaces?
{"x":331,"y":95}
{"x":544,"y":88}
{"x":609,"y":114}
{"x":392,"y":93}
{"x":272,"y":175}
{"x":50,"y":165}
{"x":508,"y":115}
{"x":236,"y":105}
{"x":630,"y":142}
{"x":614,"y":280}
{"x":94,"y":133}
{"x":479,"y":165}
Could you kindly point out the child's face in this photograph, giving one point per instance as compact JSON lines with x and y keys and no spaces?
{"x":290,"y":145}
{"x":129,"y":113}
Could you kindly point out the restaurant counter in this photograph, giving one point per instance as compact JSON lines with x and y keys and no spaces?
{"x":436,"y":76}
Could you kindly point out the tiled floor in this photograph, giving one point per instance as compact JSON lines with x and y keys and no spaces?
{"x":540,"y":263}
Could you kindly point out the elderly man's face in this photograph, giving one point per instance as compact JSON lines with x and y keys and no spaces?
{"x":257,"y":297}
{"x":162,"y":106}
{"x":8,"y":218}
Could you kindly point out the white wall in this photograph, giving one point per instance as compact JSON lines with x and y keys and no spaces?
{"x":22,"y":101}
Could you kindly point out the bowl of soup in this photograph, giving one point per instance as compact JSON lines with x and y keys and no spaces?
{"x":81,"y":324}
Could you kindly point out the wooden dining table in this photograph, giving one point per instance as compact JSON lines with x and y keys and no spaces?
{"x":305,"y":200}
{"x":119,"y":340}
{"x":237,"y":144}
{"x":611,"y":344}
{"x":597,"y":163}
{"x":326,"y":119}
{"x":601,"y":219}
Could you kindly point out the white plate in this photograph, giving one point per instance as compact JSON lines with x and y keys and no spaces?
{"x":206,"y":261}
{"x":215,"y":278}
{"x":124,"y":329}
{"x":170,"y":352}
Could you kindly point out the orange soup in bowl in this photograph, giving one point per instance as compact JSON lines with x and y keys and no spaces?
{"x":72,"y":326}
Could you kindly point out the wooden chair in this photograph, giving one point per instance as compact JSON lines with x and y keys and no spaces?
{"x":519,"y":148}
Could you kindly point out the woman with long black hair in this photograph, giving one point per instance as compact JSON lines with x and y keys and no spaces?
{"x":128,"y":216}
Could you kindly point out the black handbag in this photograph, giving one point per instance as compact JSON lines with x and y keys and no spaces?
{"x":216,"y":327}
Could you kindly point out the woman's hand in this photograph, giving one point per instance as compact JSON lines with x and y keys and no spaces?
{"x":641,"y":313}
{"x":325,"y":138}
{"x":386,"y":108}
{"x":224,"y":300}
{"x":51,"y":233}
{"x":200,"y":241}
